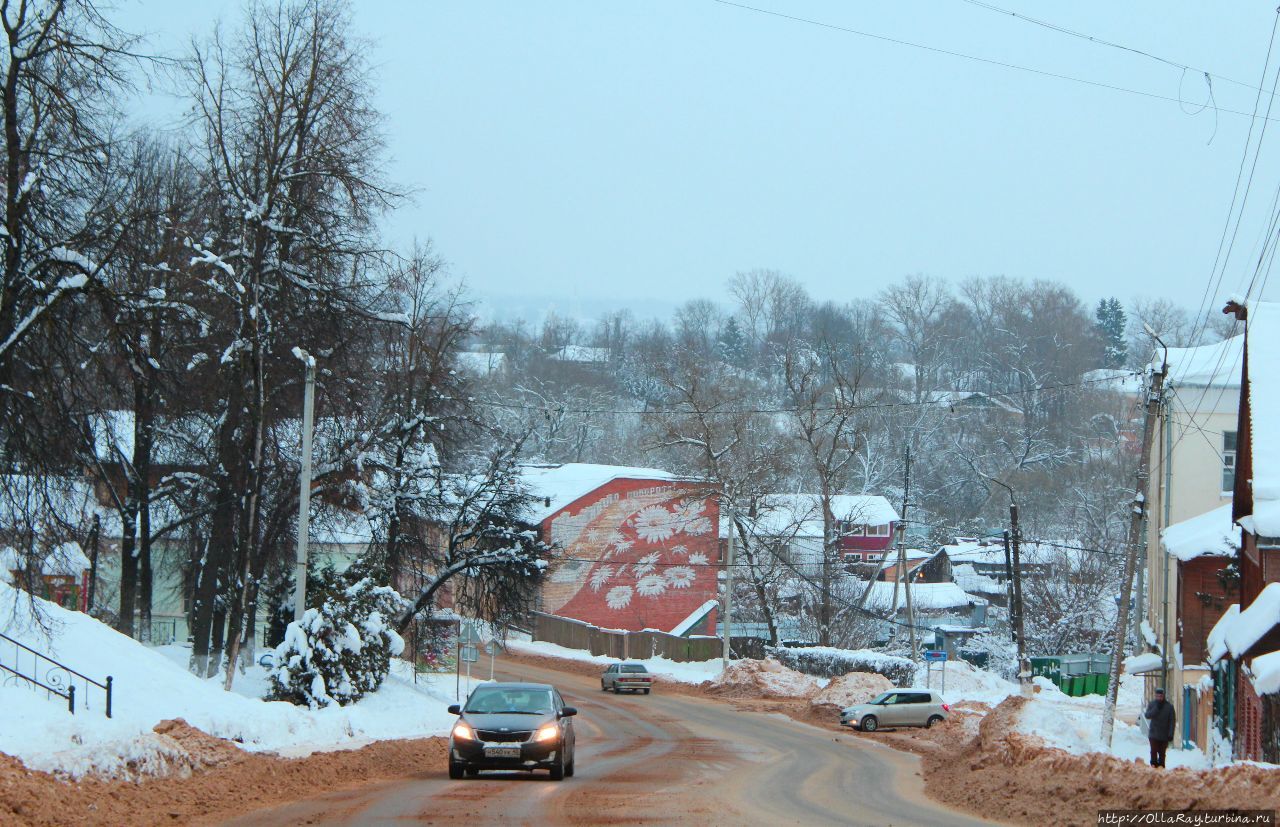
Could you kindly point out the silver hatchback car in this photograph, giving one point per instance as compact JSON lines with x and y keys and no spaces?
{"x":900,"y":707}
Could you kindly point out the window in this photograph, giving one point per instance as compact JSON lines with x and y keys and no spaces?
{"x":878,"y":531}
{"x":1228,"y":460}
{"x":849,"y":529}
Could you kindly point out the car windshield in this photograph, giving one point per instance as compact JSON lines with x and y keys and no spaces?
{"x":510,"y":701}
{"x":634,"y":668}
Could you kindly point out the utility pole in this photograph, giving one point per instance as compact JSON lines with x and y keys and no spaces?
{"x":728,"y":583}
{"x":1137,"y":518}
{"x":304,"y":486}
{"x":902,"y":553}
{"x":1008,"y":589}
{"x":1024,"y":671}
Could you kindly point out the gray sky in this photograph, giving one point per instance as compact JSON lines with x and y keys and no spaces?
{"x":588,"y":154}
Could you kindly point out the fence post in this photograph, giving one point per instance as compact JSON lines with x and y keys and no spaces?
{"x":71,"y":698}
{"x":108,"y":696}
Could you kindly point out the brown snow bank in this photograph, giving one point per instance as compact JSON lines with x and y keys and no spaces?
{"x":214,"y":783}
{"x":761,"y":679}
{"x":853,"y":688}
{"x":1004,"y":774}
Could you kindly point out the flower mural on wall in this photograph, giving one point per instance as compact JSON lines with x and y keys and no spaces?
{"x":680,"y":577}
{"x":651,"y":585}
{"x":655,"y":524}
{"x":646,"y":564}
{"x":600,"y":576}
{"x":619,"y":597}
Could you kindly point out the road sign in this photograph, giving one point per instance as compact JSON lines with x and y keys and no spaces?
{"x":470,"y":654}
{"x":470,"y":634}
{"x":935,"y":655}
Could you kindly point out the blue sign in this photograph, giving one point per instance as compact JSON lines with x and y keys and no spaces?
{"x":934,"y":655}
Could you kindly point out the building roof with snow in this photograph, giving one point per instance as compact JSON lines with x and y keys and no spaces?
{"x":1263,"y":332}
{"x":800,"y":515}
{"x":553,"y":487}
{"x":479,"y":363}
{"x":1211,"y":534}
{"x":1214,"y":365}
{"x":1238,"y":631}
{"x":991,"y":552}
{"x":582,"y":354}
{"x":924,"y":596}
{"x":967,"y":578}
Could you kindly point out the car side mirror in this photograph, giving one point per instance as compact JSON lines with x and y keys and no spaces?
{"x":568,"y":712}
{"x":454,"y":709}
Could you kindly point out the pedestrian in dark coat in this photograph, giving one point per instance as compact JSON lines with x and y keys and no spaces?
{"x":1163,"y":719}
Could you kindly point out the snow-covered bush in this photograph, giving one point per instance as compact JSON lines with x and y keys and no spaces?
{"x":827,"y":662}
{"x":340,"y":651}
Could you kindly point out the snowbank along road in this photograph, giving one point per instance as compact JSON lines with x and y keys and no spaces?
{"x":659,"y":759}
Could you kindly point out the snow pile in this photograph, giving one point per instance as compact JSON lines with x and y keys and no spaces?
{"x":150,"y":688}
{"x":966,"y":682}
{"x":1266,"y":673}
{"x":1145,"y":662}
{"x":924,"y":596}
{"x":829,"y":662}
{"x":1237,"y":631}
{"x":763,"y":679}
{"x":853,"y":688}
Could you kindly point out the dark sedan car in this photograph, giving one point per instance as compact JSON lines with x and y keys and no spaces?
{"x":512,"y":726}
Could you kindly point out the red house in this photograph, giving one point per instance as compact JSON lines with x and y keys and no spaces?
{"x":1244,"y":645}
{"x":636,"y":547}
{"x":863,"y":525}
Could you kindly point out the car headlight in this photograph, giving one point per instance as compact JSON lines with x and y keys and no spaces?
{"x":463,"y":732}
{"x":547,"y":732}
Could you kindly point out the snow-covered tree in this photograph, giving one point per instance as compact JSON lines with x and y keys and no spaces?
{"x":341,"y":650}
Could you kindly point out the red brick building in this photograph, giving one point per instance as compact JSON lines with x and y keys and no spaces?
{"x":635,"y":547}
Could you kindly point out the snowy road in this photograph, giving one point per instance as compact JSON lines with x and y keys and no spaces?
{"x":661,"y":758}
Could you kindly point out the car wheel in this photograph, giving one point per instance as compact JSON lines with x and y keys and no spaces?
{"x":603,"y":688}
{"x":557,"y":769}
{"x":568,"y":771}
{"x":870,"y":724}
{"x":616,"y":690}
{"x":934,"y":719}
{"x":646,"y":692}
{"x":472,"y":772}
{"x":455,"y":770}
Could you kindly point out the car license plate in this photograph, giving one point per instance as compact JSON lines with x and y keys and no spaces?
{"x":501,"y":752}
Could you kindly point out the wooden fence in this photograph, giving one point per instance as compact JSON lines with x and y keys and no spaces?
{"x":624,"y":645}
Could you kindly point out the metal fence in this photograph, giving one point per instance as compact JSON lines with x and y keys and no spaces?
{"x":621,"y":644}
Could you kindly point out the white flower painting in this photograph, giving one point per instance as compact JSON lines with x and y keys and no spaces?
{"x":619,"y":597}
{"x":680,"y":577}
{"x":601,"y":576}
{"x":655,"y":524}
{"x":651,"y":585}
{"x":646,"y":564}
{"x":697,"y":559}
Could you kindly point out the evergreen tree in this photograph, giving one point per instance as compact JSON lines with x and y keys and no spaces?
{"x":1111,"y":326}
{"x":732,"y":344}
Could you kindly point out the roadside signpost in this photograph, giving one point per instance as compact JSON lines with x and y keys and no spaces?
{"x":932,"y":656}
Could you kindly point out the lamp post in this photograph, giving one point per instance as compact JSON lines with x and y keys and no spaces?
{"x":304,"y":485}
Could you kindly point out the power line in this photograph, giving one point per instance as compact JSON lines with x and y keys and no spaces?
{"x":1103,"y":42}
{"x":964,"y":56}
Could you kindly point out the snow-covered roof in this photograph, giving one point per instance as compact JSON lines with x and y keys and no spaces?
{"x":481,"y":363}
{"x":1143,"y":663}
{"x":695,"y":617}
{"x":800,"y":515}
{"x":967,"y":578}
{"x":65,"y":559}
{"x":582,"y":353}
{"x":951,"y":398}
{"x":1238,"y":630}
{"x":973,"y":551}
{"x":553,"y":487}
{"x":1211,"y":534}
{"x":1263,"y":331}
{"x":1215,"y":365}
{"x":914,"y":557}
{"x":924,"y":596}
{"x":1266,"y":673}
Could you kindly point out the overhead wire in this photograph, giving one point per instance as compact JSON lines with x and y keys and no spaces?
{"x":962,"y":55}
